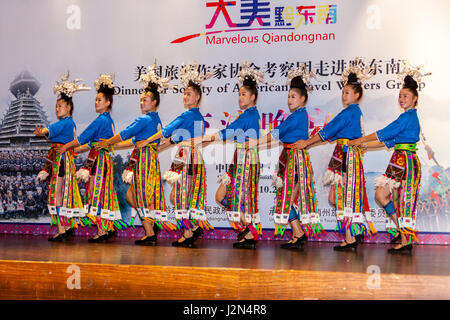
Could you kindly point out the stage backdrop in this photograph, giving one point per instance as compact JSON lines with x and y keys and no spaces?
{"x":44,"y":39}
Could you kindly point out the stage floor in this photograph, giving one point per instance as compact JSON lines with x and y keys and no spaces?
{"x":316,"y":256}
{"x":427,"y":268}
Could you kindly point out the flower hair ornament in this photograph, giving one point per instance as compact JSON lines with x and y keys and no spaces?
{"x":105,"y":83}
{"x":67,"y":88}
{"x":304,"y":75}
{"x":152,"y":80}
{"x":355,"y":74}
{"x":407,"y":72}
{"x":190,"y":74}
{"x":250,"y":74}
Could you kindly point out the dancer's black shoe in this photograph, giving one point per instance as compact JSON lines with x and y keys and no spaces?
{"x":406,"y":249}
{"x":97,"y":239}
{"x":59,"y":238}
{"x":147,"y":241}
{"x":186,"y":243}
{"x":297,"y":245}
{"x":347,"y":247}
{"x":246,"y":244}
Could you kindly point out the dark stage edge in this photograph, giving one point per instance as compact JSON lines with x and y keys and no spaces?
{"x":33,"y":268}
{"x":14,"y":228}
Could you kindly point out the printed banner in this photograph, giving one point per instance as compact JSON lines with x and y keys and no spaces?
{"x":44,"y":39}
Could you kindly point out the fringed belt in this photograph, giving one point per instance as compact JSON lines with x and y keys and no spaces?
{"x":342,"y":141}
{"x":108,"y":149}
{"x":406,"y":147}
{"x":289,"y":145}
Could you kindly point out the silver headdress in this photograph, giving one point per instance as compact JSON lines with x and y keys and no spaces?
{"x":68,"y":88}
{"x":151,"y":77}
{"x":414,"y":72}
{"x":104,"y":80}
{"x":303,"y":73}
{"x":247,"y":71}
{"x":362,"y":74}
{"x":190,"y":73}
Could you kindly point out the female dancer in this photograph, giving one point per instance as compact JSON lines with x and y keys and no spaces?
{"x":398,"y":188}
{"x":98,"y":171}
{"x":187,"y":173}
{"x":345,"y":170}
{"x":146,"y":193}
{"x":238,"y":189}
{"x":64,"y":200}
{"x":294,"y":177}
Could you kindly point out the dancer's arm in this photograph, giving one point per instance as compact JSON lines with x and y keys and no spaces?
{"x":105,"y":143}
{"x":373,"y":145}
{"x":359,"y":141}
{"x":263,"y":142}
{"x":72,"y":144}
{"x":302,"y":144}
{"x":127,"y":144}
{"x":143,"y":143}
{"x":82,"y":149}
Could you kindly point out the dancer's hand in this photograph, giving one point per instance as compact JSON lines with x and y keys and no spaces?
{"x":102,"y":144}
{"x":61,"y":149}
{"x":355,"y":143}
{"x":364,"y":147}
{"x":300,"y":144}
{"x":39,"y":131}
{"x":141,"y":144}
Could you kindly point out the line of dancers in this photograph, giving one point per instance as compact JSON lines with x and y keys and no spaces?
{"x":296,"y":200}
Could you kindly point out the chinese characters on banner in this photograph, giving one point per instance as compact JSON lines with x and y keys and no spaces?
{"x":322,"y":68}
{"x":254,"y":13}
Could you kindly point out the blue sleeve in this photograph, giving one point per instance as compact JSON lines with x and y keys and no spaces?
{"x":280,"y":131}
{"x":133,"y":129}
{"x":89,"y":133}
{"x":389,"y":143}
{"x":230,"y":131}
{"x":333,"y":127}
{"x":168,"y":130}
{"x":158,"y":120}
{"x":54,"y":130}
{"x":392,"y":130}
